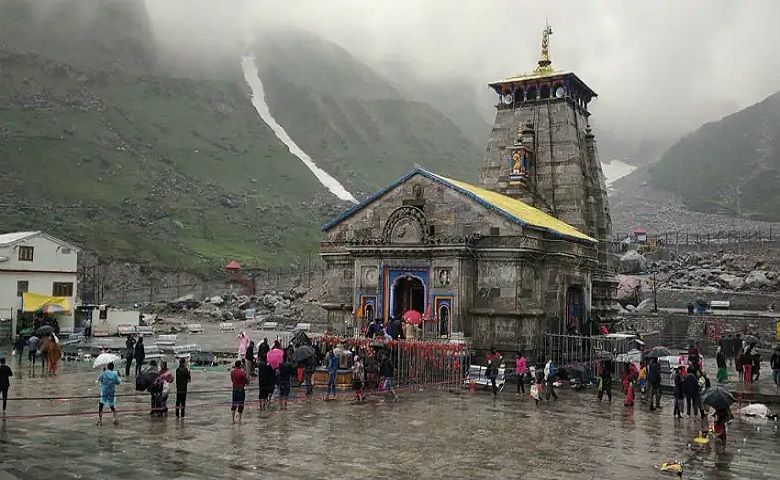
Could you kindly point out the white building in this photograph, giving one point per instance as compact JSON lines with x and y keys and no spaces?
{"x":37,"y":263}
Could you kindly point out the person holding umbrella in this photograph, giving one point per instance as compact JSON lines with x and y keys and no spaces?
{"x":720,"y":400}
{"x":108,"y":381}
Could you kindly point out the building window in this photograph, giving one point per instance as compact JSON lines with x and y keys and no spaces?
{"x":26,"y":254}
{"x":62,"y":289}
{"x":495,"y":231}
{"x":65,"y":251}
{"x":22,"y":286}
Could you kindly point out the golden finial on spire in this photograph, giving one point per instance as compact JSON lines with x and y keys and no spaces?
{"x":544,"y":61}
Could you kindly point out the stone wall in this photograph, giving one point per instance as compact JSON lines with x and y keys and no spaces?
{"x":739,"y":300}
{"x":677,"y":330}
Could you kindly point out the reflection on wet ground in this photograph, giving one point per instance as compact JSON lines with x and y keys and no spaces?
{"x":426,"y":434}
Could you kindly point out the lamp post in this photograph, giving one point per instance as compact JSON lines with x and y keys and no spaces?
{"x":655,"y":287}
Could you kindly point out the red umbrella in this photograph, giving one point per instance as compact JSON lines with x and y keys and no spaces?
{"x":275,"y":357}
{"x":413,"y":316}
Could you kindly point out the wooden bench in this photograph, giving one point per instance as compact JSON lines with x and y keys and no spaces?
{"x":227,"y":327}
{"x":270,"y":325}
{"x":478,"y":376}
{"x":194,"y":328}
{"x":304,"y":327}
{"x":125,"y":330}
{"x":152,"y":352}
{"x":166,"y":340}
{"x":144,"y":330}
{"x":720,"y":304}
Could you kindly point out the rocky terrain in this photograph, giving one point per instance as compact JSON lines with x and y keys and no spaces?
{"x":635,"y":201}
{"x":287,"y":308}
{"x":701,"y":271}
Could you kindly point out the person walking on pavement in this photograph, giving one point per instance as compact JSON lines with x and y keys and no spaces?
{"x":266,"y":381}
{"x":520,"y":371}
{"x":679,"y":392}
{"x":19,"y":344}
{"x":139,"y":355}
{"x":720,"y":360}
{"x":605,"y":380}
{"x":250,"y":358}
{"x":549,"y":379}
{"x":747,"y":365}
{"x":183,"y":378}
{"x":691,"y":390}
{"x":494,"y":364}
{"x":774,"y":364}
{"x":108,"y":381}
{"x":33,"y":343}
{"x":387,"y":369}
{"x":5,"y":382}
{"x":129,"y":353}
{"x":332,"y":364}
{"x":239,"y":380}
{"x":756,"y":373}
{"x":654,"y":382}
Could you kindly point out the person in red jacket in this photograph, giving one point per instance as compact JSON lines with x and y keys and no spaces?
{"x":240,"y":381}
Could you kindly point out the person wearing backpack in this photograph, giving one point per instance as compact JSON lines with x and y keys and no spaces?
{"x":183,"y":378}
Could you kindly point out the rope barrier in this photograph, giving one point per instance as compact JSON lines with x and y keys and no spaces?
{"x":297,"y":398}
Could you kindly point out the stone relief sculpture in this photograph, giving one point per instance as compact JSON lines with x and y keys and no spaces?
{"x":406,"y":225}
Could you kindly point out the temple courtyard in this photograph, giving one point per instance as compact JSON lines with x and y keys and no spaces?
{"x":50,"y":431}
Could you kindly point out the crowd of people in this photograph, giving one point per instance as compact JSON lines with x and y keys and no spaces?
{"x":689,"y":380}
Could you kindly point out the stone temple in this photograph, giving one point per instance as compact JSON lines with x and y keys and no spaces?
{"x":525,"y":252}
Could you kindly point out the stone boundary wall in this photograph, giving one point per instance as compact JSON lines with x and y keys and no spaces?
{"x":264,"y":282}
{"x":678,"y":330}
{"x":739,"y":300}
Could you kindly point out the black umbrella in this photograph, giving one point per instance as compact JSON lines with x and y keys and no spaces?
{"x":44,"y":330}
{"x":750,"y":340}
{"x":302,"y":354}
{"x":718,"y":398}
{"x":299,"y":337}
{"x":145,"y":380}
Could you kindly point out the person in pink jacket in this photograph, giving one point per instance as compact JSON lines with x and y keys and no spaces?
{"x":243,"y":344}
{"x":520,"y":371}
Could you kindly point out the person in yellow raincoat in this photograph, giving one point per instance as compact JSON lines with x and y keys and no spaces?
{"x":54,"y":354}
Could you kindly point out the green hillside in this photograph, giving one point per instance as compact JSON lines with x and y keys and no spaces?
{"x":107,"y":151}
{"x":108,"y":144}
{"x":731,"y":166}
{"x":353,"y":123}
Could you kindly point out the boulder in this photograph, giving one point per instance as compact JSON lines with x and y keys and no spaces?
{"x":632,"y":262}
{"x":216,"y":300}
{"x":757,"y":279}
{"x":629,"y":290}
{"x":730,"y":282}
{"x":644,"y":306}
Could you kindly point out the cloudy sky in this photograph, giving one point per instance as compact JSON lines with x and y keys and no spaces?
{"x":663,"y":67}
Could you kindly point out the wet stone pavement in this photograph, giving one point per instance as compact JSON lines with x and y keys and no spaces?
{"x":425,"y":434}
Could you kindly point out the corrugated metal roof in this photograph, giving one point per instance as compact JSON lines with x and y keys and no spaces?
{"x":514,"y":210}
{"x":9,"y":238}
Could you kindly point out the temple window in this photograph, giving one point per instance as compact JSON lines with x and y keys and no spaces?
{"x":545,"y":91}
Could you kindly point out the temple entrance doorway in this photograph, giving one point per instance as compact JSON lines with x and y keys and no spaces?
{"x":408,"y":294}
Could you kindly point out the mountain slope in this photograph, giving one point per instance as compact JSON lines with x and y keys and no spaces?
{"x":101,"y":147}
{"x":731,"y":166}
{"x":352,"y":122}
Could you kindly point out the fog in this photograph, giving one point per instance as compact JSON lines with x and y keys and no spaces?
{"x":660,"y":68}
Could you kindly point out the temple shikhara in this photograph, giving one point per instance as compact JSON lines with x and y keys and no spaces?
{"x":524,"y":252}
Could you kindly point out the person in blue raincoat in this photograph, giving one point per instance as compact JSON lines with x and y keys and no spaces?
{"x":108,"y":381}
